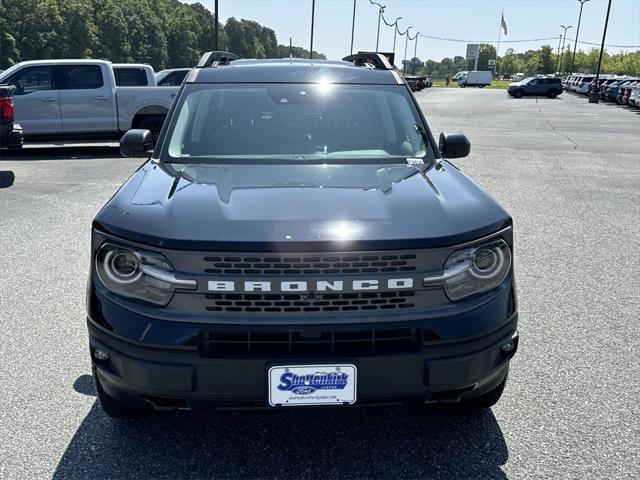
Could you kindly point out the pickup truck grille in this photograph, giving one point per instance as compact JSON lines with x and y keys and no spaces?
{"x":309,"y":265}
{"x":309,"y":343}
{"x":333,"y":302}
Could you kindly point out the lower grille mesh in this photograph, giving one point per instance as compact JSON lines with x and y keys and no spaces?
{"x":310,"y":343}
{"x":291,"y":303}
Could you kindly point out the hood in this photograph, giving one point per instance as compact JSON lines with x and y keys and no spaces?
{"x":263,"y":207}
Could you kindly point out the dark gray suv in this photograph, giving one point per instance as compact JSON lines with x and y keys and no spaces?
{"x":532,"y":86}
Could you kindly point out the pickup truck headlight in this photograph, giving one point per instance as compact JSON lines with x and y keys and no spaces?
{"x":139,"y":274}
{"x":475,"y":269}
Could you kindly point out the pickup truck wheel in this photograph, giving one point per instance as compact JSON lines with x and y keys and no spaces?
{"x":552,"y":94}
{"x":114,"y":407}
{"x":153,"y":124}
{"x":518,"y":93}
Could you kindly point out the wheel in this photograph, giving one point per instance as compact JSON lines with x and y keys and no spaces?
{"x":552,"y":93}
{"x":518,"y":93}
{"x":114,"y":407}
{"x":481,"y":86}
{"x":486,"y":400}
{"x":153,"y":123}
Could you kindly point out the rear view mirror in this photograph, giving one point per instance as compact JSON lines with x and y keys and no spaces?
{"x":454,"y":145}
{"x":7,"y":178}
{"x":136,"y":143}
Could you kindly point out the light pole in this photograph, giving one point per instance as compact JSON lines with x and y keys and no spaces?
{"x":593,"y":96}
{"x":313,"y":14}
{"x":415,"y":53}
{"x":215,"y":27}
{"x":406,"y":43}
{"x":564,"y":37}
{"x":575,"y":45}
{"x":395,"y":32}
{"x":558,"y":56}
{"x":380,"y":10}
{"x":353,"y":25}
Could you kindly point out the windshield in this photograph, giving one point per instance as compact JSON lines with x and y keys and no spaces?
{"x":328,"y":123}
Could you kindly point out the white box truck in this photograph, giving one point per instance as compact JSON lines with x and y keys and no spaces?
{"x":475,"y":78}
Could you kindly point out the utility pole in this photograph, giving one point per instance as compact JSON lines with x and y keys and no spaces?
{"x":353,"y":25}
{"x":575,"y":45}
{"x":564,"y":37}
{"x":215,"y":27}
{"x":558,"y":56}
{"x":313,"y":14}
{"x":380,"y":10}
{"x":406,"y":43}
{"x":395,"y":31}
{"x":415,"y":53}
{"x":593,"y":96}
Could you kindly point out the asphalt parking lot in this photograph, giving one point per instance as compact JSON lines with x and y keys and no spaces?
{"x":569,"y":174}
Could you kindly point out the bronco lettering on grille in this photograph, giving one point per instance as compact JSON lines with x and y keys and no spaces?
{"x":305,"y":286}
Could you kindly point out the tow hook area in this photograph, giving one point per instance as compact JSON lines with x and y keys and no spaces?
{"x":449,"y":396}
{"x":163,"y":404}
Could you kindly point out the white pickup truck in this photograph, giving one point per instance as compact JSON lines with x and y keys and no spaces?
{"x":79,"y":100}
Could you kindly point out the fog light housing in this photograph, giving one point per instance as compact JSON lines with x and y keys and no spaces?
{"x":100,"y":355}
{"x":508,"y":347}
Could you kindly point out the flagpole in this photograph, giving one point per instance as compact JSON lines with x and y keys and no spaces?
{"x":495,"y":66}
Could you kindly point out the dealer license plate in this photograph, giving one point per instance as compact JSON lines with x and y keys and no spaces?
{"x":292,"y":385}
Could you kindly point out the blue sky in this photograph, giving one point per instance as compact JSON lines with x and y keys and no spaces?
{"x":459,"y":19}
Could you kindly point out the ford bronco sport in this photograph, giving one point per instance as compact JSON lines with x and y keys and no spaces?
{"x":298,"y":238}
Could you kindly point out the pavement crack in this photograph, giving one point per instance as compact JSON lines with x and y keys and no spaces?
{"x":556,"y":131}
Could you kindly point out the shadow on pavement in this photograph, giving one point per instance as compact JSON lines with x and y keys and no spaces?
{"x":61,"y":153}
{"x":379,"y":442}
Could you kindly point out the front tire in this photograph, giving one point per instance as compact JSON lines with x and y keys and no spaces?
{"x":518,"y":93}
{"x":114,"y":407}
{"x":153,"y":123}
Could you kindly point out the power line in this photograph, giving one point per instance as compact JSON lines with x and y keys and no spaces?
{"x":523,"y":41}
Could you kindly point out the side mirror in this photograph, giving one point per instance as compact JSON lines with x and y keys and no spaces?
{"x":136,"y":143}
{"x":7,"y":178}
{"x":454,"y":145}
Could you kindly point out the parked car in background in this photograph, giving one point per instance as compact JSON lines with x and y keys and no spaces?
{"x":536,"y":86}
{"x":634,"y":97}
{"x":517,"y":77}
{"x":458,"y":75}
{"x":134,"y":75}
{"x":475,"y":78}
{"x":79,"y":99}
{"x":582,"y":86}
{"x":610,"y":91}
{"x":10,"y":133}
{"x":171,"y":77}
{"x":418,"y":82}
{"x":625,"y":92}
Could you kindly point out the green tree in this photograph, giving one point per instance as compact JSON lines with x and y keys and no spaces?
{"x":79,"y":30}
{"x":113,"y":42}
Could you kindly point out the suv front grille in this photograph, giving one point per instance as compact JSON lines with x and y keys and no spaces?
{"x":311,"y":265}
{"x":310,"y":343}
{"x":334,"y":302}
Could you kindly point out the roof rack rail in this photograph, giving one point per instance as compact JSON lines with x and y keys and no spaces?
{"x":209,"y":59}
{"x":370,"y":60}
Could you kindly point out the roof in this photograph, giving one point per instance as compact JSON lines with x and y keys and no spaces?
{"x":292,"y":71}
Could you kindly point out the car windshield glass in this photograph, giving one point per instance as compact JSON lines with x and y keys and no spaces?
{"x":271,"y":123}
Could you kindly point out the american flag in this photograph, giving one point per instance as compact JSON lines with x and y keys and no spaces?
{"x":503,"y":24}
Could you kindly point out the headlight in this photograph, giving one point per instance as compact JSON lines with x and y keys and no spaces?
{"x":474,"y":270}
{"x":139,"y":274}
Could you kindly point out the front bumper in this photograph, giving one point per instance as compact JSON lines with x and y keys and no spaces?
{"x":181,"y":377}
{"x":11,"y":137}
